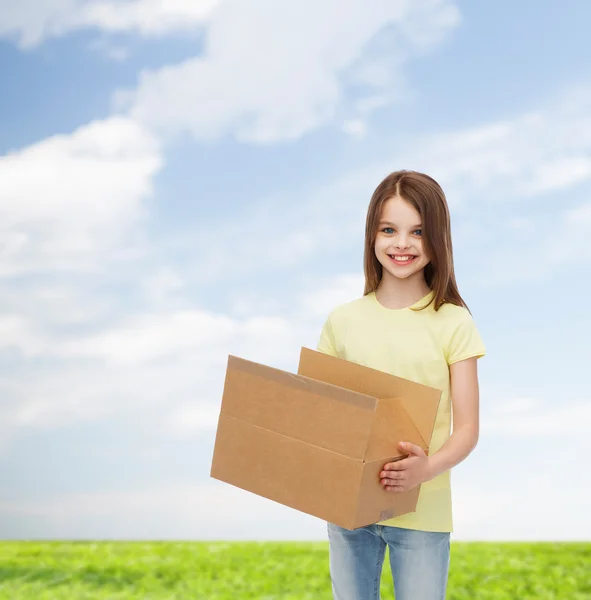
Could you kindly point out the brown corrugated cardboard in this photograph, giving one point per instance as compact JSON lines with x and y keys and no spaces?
{"x":317,"y":440}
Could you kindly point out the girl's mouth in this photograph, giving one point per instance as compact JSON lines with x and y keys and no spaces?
{"x":402,"y":259}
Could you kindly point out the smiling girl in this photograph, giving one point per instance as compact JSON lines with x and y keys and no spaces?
{"x":413,"y":323}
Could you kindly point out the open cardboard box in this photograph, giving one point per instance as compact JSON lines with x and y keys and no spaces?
{"x":317,"y":441}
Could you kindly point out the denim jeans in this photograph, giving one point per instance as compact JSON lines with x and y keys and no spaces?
{"x":419,"y":561}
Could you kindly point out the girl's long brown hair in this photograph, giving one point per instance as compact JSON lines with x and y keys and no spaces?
{"x":427,"y":197}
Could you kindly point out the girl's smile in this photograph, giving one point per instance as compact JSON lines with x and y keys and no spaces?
{"x":403,"y":259}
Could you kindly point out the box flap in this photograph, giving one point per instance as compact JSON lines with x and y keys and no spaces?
{"x":315,"y":412}
{"x":421,"y":401}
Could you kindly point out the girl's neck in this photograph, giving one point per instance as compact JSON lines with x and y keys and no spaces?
{"x":401,"y":294}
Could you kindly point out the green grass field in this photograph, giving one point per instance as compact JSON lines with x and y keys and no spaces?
{"x":269,"y":570}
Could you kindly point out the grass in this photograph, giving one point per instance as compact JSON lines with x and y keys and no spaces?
{"x":271,"y":570}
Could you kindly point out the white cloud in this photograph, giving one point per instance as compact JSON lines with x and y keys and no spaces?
{"x":172,"y":361}
{"x":499,"y":164}
{"x":31,"y":22}
{"x":257,"y":81}
{"x":526,"y":417}
{"x":151,"y":336}
{"x":149,"y":17}
{"x":163,"y":286}
{"x":76,"y":393}
{"x":520,"y":223}
{"x":209,"y":511}
{"x":558,"y":174}
{"x":53,"y":394}
{"x":356,"y":128}
{"x":70,"y":201}
{"x":578,"y":216}
{"x":540,"y":246}
{"x":516,"y":406}
{"x":505,"y":510}
{"x":337,"y":290}
{"x":517,"y":158}
{"x":512,"y":509}
{"x":327,"y":222}
{"x":186,"y":421}
{"x":527,"y":469}
{"x":17,"y":334}
{"x":32,"y":307}
{"x":148,"y":336}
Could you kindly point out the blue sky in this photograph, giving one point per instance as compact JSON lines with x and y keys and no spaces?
{"x":179,"y":184}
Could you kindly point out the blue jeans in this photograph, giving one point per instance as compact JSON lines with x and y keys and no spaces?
{"x":419,"y":561}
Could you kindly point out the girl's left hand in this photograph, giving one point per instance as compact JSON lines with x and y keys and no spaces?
{"x":405,"y":474}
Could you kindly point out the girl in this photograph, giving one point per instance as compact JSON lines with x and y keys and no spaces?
{"x":411,"y":322}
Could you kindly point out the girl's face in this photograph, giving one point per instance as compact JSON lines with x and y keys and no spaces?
{"x":400,"y":235}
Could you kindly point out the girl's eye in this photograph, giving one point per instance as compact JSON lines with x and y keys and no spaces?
{"x":391,"y":229}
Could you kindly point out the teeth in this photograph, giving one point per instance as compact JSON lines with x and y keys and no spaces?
{"x":403,"y":257}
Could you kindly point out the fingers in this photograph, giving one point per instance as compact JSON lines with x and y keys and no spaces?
{"x":394,"y":475}
{"x":399,"y":465}
{"x":394,"y":482}
{"x":412,"y":448}
{"x":394,"y":488}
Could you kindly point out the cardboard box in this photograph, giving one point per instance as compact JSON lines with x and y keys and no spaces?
{"x":317,"y":441}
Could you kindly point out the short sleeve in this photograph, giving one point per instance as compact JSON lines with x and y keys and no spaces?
{"x":465,"y":341}
{"x":327,"y":343}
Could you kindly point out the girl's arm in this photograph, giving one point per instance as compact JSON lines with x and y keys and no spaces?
{"x":417,"y":468}
{"x":465,"y":402}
